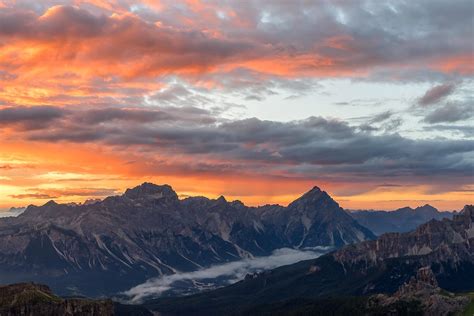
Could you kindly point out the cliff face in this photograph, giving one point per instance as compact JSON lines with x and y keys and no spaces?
{"x":34,"y":299}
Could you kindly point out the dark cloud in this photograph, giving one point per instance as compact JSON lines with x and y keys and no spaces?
{"x":30,"y":117}
{"x":311,"y":148}
{"x":436,"y":94}
{"x":384,"y":121}
{"x":450,"y":112}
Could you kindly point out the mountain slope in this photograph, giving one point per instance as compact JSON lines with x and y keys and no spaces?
{"x":399,"y":221}
{"x":111,"y":245}
{"x":38,"y":299}
{"x":378,"y":266}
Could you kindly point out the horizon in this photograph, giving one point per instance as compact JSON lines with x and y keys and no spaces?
{"x":255,"y":101}
{"x":230,"y":200}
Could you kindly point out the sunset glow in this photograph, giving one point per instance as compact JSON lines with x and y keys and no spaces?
{"x":256,"y":101}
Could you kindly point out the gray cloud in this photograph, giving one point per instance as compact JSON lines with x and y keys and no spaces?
{"x":381,"y":117}
{"x":436,"y":94}
{"x":30,"y":117}
{"x":450,"y":112}
{"x":313,"y":147}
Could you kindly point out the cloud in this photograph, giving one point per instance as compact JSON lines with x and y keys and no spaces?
{"x":12,"y":212}
{"x":450,"y":112}
{"x":381,"y":117}
{"x":30,"y":117}
{"x":46,"y":194}
{"x":220,"y":274}
{"x":464,"y":130}
{"x":171,"y":87}
{"x":64,"y":54}
{"x":436,"y":94}
{"x":311,"y":147}
{"x":35,"y":196}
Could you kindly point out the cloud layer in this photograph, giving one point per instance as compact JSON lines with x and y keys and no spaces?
{"x":218,"y":275}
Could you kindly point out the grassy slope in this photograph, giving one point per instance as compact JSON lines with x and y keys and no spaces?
{"x":469,"y":311}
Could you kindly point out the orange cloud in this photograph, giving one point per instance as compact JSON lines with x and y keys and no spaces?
{"x":99,"y":54}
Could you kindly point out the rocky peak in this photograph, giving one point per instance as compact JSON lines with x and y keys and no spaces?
{"x":50,"y":203}
{"x":221,"y":200}
{"x":426,"y":209}
{"x":424,"y":289}
{"x":424,"y":281}
{"x":466,"y":214}
{"x":151,"y":191}
{"x":314,"y":197}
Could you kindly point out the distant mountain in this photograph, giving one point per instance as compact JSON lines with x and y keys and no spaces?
{"x":107,"y":246}
{"x":444,"y":247}
{"x":399,"y":221}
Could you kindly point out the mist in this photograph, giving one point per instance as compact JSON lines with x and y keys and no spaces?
{"x":218,"y":275}
{"x":12,"y":212}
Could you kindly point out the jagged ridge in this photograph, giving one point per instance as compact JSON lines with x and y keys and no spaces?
{"x":112,"y":245}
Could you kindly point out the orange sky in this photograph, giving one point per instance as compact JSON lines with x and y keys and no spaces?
{"x":99,"y":96}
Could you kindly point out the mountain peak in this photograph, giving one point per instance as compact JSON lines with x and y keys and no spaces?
{"x":150,"y":190}
{"x":50,"y":203}
{"x":314,"y":190}
{"x":221,"y":199}
{"x":312,"y":195}
{"x":467,"y":213}
{"x":426,"y":210}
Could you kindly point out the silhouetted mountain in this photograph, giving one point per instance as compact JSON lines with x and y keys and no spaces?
{"x":399,"y":221}
{"x":380,"y":266}
{"x":111,"y":245}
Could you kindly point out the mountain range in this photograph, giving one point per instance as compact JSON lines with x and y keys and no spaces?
{"x":401,"y":220}
{"x":385,"y":265}
{"x":104,"y":247}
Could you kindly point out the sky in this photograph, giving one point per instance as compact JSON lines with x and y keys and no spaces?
{"x":254,"y":100}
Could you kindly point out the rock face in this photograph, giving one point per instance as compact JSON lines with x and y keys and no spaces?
{"x":34,"y":299}
{"x":422,"y":290}
{"x":399,"y":221}
{"x":102,"y":247}
{"x":449,"y":241}
{"x":424,"y":280}
{"x":438,"y":253}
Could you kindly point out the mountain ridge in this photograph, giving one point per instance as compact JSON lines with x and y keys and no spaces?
{"x":383,"y":265}
{"x":400,"y":220}
{"x":108,"y":246}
